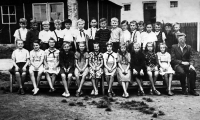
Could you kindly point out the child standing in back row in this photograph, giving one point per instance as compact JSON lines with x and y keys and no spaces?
{"x":125,"y":33}
{"x":22,"y":31}
{"x":45,"y":35}
{"x":92,"y":32}
{"x":102,"y":35}
{"x":116,"y":34}
{"x":57,"y":34}
{"x":160,"y":35}
{"x":32,"y":35}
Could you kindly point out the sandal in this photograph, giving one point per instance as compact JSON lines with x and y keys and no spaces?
{"x":170,"y":93}
{"x":142,"y":93}
{"x":126,"y":95}
{"x":113,"y":94}
{"x":151,"y":92}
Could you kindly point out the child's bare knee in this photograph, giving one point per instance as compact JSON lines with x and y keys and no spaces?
{"x":69,"y":75}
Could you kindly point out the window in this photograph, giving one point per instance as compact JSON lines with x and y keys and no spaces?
{"x":8,"y":14}
{"x":173,"y":4}
{"x":48,"y":11}
{"x":127,"y":7}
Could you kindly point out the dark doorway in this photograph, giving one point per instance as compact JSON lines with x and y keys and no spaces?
{"x":149,"y":12}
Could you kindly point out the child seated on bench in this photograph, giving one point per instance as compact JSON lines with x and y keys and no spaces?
{"x":36,"y":64}
{"x":152,"y":66}
{"x":138,"y":66}
{"x":51,"y":63}
{"x":20,"y":58}
{"x":164,"y":59}
{"x":66,"y":58}
{"x":81,"y":70}
{"x":110,"y":63}
{"x":96,"y":63}
{"x":123,"y":70}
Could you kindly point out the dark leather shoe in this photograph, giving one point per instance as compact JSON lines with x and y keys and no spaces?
{"x":185,"y":92}
{"x":194,"y":93}
{"x":22,"y":91}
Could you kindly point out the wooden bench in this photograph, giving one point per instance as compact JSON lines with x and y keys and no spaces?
{"x":102,"y":86}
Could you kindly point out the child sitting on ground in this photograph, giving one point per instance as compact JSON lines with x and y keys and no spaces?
{"x":110,"y":64}
{"x":138,"y":67}
{"x":66,"y":57}
{"x":123,"y":70}
{"x":81,"y":67}
{"x":96,"y":63}
{"x":51,"y":63}
{"x":20,"y":58}
{"x":151,"y":66}
{"x":36,"y":64}
{"x":164,"y":59}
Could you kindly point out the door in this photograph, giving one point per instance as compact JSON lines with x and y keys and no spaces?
{"x":149,"y":12}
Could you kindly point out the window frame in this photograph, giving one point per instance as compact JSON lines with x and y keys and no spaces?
{"x":48,"y":13}
{"x":129,"y":7}
{"x":172,"y":4}
{"x":9,"y":14}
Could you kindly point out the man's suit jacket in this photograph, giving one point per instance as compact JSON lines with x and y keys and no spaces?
{"x":178,"y":56}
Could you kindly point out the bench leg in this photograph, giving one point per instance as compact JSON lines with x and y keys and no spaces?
{"x":11,"y":82}
{"x":102,"y":85}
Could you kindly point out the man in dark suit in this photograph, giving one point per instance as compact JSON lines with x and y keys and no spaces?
{"x":182,"y":63}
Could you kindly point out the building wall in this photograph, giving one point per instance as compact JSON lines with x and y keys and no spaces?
{"x":187,"y":11}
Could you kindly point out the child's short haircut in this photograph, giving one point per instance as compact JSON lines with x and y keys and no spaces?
{"x":168,"y":24}
{"x":68,"y":21}
{"x":124,"y":21}
{"x":134,"y":22}
{"x":80,"y":21}
{"x":33,"y":22}
{"x":176,"y":24}
{"x":57,"y":21}
{"x":103,"y":20}
{"x":114,"y":19}
{"x":37,"y":41}
{"x":122,"y":44}
{"x":158,"y":23}
{"x":19,"y":40}
{"x":149,"y":23}
{"x":141,"y":23}
{"x":65,"y":43}
{"x":109,"y":43}
{"x":81,"y":43}
{"x":93,"y":18}
{"x":52,"y":39}
{"x":95,"y":43}
{"x":23,"y":20}
{"x":45,"y":22}
{"x":137,"y":45}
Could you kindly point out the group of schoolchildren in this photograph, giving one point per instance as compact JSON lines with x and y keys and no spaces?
{"x":127,"y":54}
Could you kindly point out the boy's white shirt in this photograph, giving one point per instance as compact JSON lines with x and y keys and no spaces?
{"x":44,"y":36}
{"x":23,"y":33}
{"x":142,"y":34}
{"x":163,"y":35}
{"x":80,"y":38}
{"x":92,"y":32}
{"x":68,"y":34}
{"x":20,"y":55}
{"x":59,"y":34}
{"x":137,"y":34}
{"x":149,"y":37}
{"x":126,"y":36}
